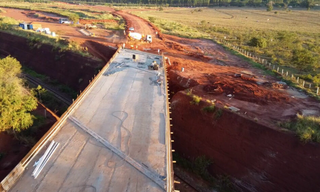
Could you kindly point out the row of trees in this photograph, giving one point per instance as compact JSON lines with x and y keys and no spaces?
{"x":188,"y":3}
{"x":15,"y":101}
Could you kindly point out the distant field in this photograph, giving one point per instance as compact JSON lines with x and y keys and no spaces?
{"x":243,"y":18}
{"x":289,"y":38}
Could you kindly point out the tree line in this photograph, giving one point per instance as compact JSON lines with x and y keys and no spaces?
{"x":192,"y":3}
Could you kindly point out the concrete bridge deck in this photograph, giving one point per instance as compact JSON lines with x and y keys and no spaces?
{"x":126,"y":108}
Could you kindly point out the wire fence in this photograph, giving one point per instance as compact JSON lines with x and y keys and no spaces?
{"x":294,"y":78}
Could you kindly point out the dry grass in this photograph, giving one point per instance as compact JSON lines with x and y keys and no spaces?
{"x":243,"y":18}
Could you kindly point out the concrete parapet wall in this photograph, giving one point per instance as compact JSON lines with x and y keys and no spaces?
{"x":170,"y":173}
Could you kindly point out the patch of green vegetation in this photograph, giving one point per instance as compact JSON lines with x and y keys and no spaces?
{"x":28,"y":137}
{"x":16,"y":104}
{"x":195,"y":100}
{"x":105,"y":16}
{"x":63,"y":88}
{"x":45,"y":97}
{"x":199,"y":166}
{"x":189,"y":92}
{"x":306,"y":127}
{"x":209,"y":109}
{"x":120,"y":25}
{"x":218,"y":113}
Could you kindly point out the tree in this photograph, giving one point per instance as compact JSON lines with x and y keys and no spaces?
{"x":258,"y":42}
{"x":74,"y":18}
{"x":308,"y":4}
{"x":15,"y":101}
{"x":270,"y":6}
{"x":304,"y":60}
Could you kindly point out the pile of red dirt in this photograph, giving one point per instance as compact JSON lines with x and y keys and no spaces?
{"x":246,"y":92}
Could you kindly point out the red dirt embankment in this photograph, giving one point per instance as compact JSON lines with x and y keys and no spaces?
{"x":67,"y":67}
{"x":256,"y":157}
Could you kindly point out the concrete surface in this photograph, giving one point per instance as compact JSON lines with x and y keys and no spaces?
{"x":126,"y":108}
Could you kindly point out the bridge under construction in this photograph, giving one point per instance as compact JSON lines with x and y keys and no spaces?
{"x":115,"y":137}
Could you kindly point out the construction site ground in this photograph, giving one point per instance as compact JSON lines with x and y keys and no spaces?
{"x":51,"y":21}
{"x":209,"y":71}
{"x":119,"y":109}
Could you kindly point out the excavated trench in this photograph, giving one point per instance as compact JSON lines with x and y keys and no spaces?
{"x":254,"y":156}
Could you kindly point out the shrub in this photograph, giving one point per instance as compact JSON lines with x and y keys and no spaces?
{"x":304,"y":60}
{"x":218,"y":114}
{"x":74,"y":18}
{"x":209,"y":109}
{"x":195,"y":100}
{"x":189,"y":92}
{"x":270,"y":6}
{"x":258,"y":42}
{"x":152,"y":19}
{"x":308,"y":128}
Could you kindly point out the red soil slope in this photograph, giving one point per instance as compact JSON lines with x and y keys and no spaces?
{"x":68,"y":68}
{"x":256,"y":157}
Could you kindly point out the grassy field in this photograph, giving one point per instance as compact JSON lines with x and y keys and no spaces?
{"x":61,"y":9}
{"x":243,"y":18}
{"x":278,"y":33}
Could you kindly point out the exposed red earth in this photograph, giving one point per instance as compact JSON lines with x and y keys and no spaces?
{"x":247,"y":145}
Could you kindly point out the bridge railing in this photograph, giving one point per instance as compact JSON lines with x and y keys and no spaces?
{"x":170,"y":173}
{"x":14,"y":175}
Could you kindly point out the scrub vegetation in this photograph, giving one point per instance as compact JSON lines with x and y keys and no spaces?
{"x":16,"y":102}
{"x":306,"y":127}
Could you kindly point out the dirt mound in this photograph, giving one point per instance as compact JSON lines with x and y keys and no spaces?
{"x":174,"y":45}
{"x":246,"y":92}
{"x":213,"y":89}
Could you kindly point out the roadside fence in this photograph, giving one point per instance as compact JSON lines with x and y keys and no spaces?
{"x":294,"y":78}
